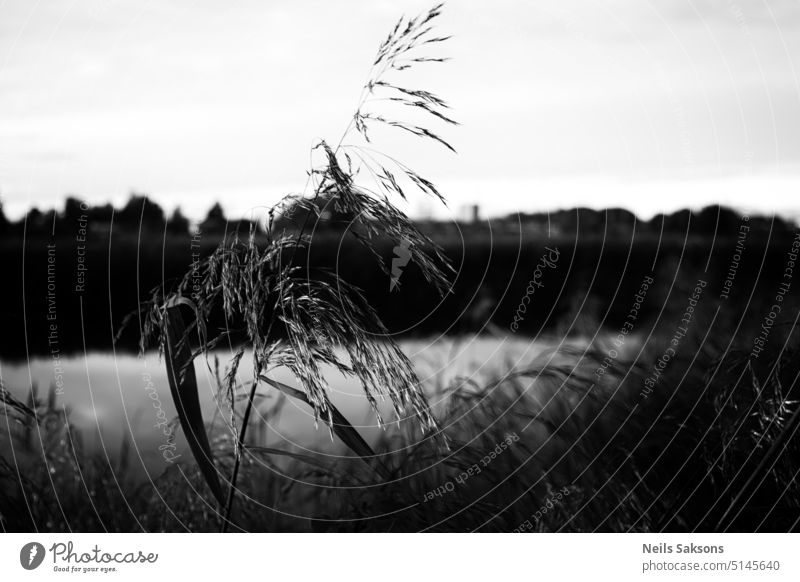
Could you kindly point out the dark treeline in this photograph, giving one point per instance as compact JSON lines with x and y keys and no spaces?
{"x":141,"y":213}
{"x":75,"y":275}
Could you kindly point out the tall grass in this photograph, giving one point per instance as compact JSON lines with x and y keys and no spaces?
{"x":714,"y":448}
{"x":48,"y":480}
{"x":689,"y":458}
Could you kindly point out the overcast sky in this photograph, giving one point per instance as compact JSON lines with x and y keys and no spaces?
{"x":652,"y":105}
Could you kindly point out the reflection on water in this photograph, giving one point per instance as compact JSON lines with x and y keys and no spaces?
{"x":110,"y":396}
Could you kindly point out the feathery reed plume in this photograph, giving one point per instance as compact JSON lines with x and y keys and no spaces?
{"x":301,"y":319}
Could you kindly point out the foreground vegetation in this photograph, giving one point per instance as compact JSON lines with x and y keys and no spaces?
{"x":547,"y":447}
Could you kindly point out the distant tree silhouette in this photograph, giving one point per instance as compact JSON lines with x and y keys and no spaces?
{"x":675,"y":223}
{"x":215,"y":221}
{"x":140,"y":209}
{"x":620,"y":220}
{"x":178,"y":223}
{"x":580,"y":220}
{"x":73,"y":210}
{"x":716,"y":218}
{"x":101,"y":214}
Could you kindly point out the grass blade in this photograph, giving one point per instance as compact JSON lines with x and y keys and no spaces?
{"x":341,"y":426}
{"x":183,"y":386}
{"x":309,"y":460}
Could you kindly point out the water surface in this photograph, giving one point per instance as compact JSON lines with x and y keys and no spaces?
{"x":112,"y":396}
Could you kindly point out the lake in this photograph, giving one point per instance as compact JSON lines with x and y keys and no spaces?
{"x":111,"y":395}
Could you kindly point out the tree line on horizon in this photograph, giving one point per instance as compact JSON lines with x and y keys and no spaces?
{"x":140,"y":213}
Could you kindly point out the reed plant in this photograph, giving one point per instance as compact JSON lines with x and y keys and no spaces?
{"x":301,"y":320}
